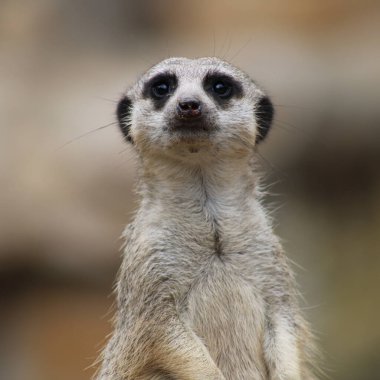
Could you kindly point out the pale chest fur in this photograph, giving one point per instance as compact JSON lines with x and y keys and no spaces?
{"x":178,"y":236}
{"x":210,"y":253}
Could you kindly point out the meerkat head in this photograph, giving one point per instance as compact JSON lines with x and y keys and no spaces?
{"x":182,"y":106}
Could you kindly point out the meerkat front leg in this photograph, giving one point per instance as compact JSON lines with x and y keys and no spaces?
{"x":154,"y":351}
{"x":186,"y":357}
{"x":281,"y":349}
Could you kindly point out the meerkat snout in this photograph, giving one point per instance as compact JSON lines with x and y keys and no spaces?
{"x":189,"y":109}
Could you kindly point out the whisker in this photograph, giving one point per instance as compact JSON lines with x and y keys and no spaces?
{"x":310,"y":137}
{"x":280,"y":174}
{"x":228,"y":45}
{"x":127,"y":159}
{"x":85,"y":134}
{"x":214,"y":40}
{"x":122,"y":151}
{"x":236,"y":54}
{"x":106,"y":99}
{"x":167,"y":47}
{"x":295,"y":107}
{"x":291,"y":128}
{"x":224,"y":45}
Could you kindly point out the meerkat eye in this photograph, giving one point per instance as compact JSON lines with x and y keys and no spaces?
{"x":222,"y":89}
{"x":160,"y":89}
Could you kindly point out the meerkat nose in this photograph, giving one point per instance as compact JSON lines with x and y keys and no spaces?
{"x":189,"y":108}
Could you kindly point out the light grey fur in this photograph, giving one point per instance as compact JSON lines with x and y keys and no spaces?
{"x":204,"y":291}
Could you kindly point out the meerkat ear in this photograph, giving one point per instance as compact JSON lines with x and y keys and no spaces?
{"x":264,"y":115}
{"x":123,"y":113}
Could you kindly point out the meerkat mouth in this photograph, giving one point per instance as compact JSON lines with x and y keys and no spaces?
{"x":194,"y":128}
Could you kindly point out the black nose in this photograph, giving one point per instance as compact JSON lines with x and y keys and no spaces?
{"x":189,"y":109}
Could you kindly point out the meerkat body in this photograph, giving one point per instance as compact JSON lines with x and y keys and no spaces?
{"x":204,"y":290}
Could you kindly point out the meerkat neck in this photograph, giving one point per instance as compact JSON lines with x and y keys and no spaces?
{"x":216,"y":202}
{"x":230,"y":183}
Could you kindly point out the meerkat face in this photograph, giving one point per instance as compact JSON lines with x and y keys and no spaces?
{"x":183,"y":105}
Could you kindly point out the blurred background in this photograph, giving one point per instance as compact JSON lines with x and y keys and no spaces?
{"x":64,"y":200}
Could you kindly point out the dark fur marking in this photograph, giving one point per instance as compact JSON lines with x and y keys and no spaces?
{"x":215,"y":76}
{"x":217,"y":243}
{"x":123,"y":112}
{"x":264,"y":115}
{"x":218,"y":249}
{"x":168,"y":77}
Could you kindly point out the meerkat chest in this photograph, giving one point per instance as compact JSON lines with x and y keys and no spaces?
{"x":227,"y":312}
{"x":173,"y":248}
{"x":183,"y":240}
{"x":177,"y":253}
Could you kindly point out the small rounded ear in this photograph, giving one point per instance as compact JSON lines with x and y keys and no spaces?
{"x":264,"y":116}
{"x":123,"y":113}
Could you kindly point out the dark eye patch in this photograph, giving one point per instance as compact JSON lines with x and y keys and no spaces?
{"x":160,"y":88}
{"x":222,"y":87}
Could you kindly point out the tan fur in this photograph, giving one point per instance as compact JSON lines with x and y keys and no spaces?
{"x":204,"y":290}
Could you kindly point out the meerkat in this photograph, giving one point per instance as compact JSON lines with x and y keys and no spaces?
{"x":204,"y":290}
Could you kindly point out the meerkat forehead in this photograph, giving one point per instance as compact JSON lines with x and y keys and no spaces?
{"x":187,"y":68}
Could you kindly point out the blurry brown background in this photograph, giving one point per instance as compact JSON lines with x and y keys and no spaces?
{"x":62,"y":208}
